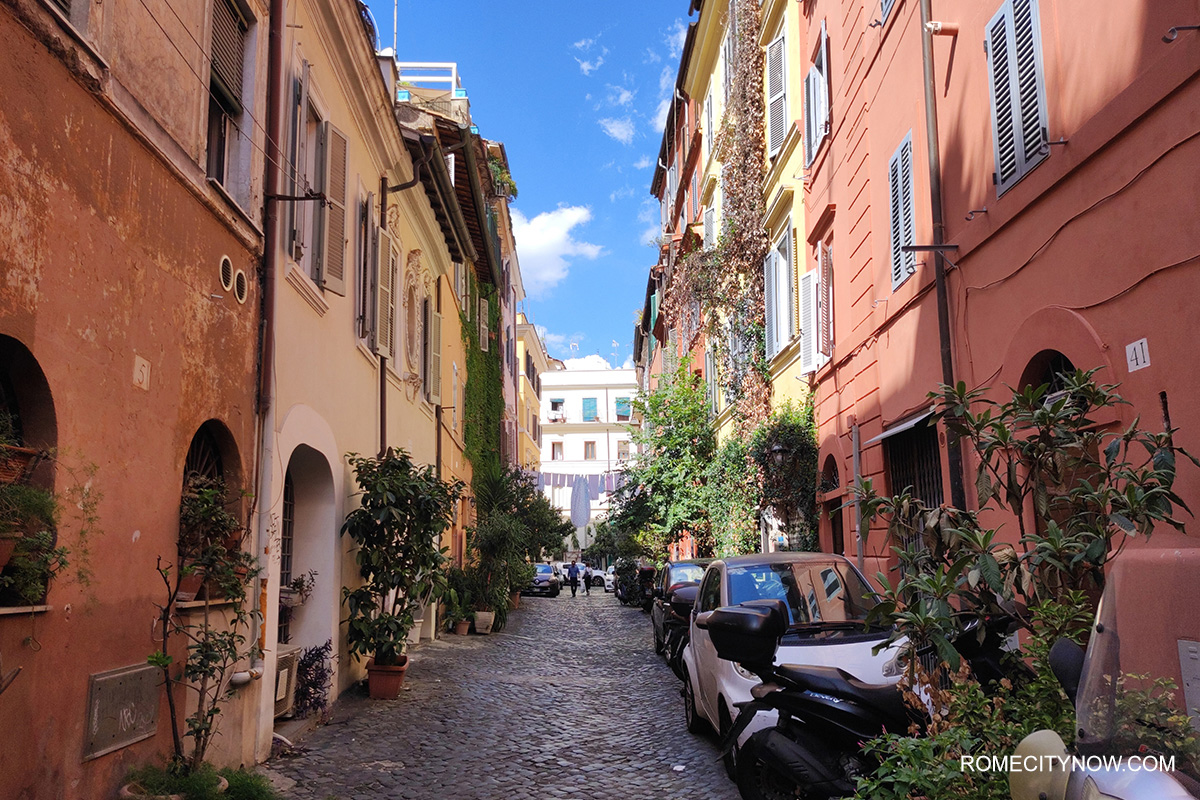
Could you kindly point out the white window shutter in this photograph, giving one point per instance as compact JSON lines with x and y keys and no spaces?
{"x":825,"y":303}
{"x":777,"y":120}
{"x":826,"y":83}
{"x":769,"y":311}
{"x":887,"y":9}
{"x":1019,"y":118}
{"x":786,"y":275}
{"x":808,"y":319}
{"x":483,"y":324}
{"x":900,"y":206}
{"x":333,"y":234}
{"x":300,"y":177}
{"x":709,"y":228}
{"x":384,"y":294}
{"x":709,"y":131}
{"x":810,"y":115}
{"x":435,"y":358}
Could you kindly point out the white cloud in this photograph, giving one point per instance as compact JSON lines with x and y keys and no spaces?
{"x":620,"y":194}
{"x":651,"y":57}
{"x":594,"y":361}
{"x":666,"y":80}
{"x":674,"y":37}
{"x":647,"y":210}
{"x":584,"y":44}
{"x":642,"y":163}
{"x":545,"y":245}
{"x":649,"y":236}
{"x":558,"y":344}
{"x":620,"y":129}
{"x":588,"y":67}
{"x":628,"y":363}
{"x":620,"y":96}
{"x":660,"y":113}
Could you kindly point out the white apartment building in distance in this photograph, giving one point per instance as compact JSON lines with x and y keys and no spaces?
{"x":585,"y":435}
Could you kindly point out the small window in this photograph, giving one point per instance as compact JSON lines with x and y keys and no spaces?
{"x":556,"y":405}
{"x":556,"y":451}
{"x":1016,"y":76}
{"x":589,"y":451}
{"x":225,"y":86}
{"x":623,"y":408}
{"x":914,"y":464}
{"x":623,"y":451}
{"x":816,"y":99}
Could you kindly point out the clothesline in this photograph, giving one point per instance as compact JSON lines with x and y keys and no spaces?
{"x":605,"y":483}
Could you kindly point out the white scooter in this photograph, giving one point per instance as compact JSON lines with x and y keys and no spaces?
{"x":1158,"y":590}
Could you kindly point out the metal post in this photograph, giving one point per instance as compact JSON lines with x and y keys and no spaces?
{"x":858,"y":535}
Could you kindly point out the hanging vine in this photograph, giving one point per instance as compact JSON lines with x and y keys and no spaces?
{"x":483,"y":401}
{"x":727,"y":280}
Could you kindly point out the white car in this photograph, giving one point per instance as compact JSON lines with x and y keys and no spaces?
{"x":610,"y":579}
{"x":827,"y":600}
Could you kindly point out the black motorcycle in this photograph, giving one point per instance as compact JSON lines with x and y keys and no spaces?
{"x":814,"y":750}
{"x":675,"y":622}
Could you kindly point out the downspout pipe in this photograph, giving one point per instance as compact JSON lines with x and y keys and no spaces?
{"x":953,"y":445}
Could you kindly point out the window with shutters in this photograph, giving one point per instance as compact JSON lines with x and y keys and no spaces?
{"x":226,"y":84}
{"x":318,"y":167}
{"x":779,"y":294}
{"x":366,"y":240}
{"x":816,"y":99}
{"x":709,"y":131}
{"x":387,"y":268}
{"x":484,"y":321}
{"x":729,"y":51}
{"x":589,"y":410}
{"x":902,"y":224}
{"x":914,"y":464}
{"x":710,"y":224}
{"x":886,"y":9}
{"x":809,"y":312}
{"x":623,"y":450}
{"x":777,"y":110}
{"x":1015,"y":73}
{"x":825,"y":301}
{"x":589,"y":451}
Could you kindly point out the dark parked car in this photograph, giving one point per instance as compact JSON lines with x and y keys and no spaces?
{"x":544,"y":581}
{"x":672,"y":576}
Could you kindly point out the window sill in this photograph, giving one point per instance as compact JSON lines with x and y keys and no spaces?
{"x":190,"y":605}
{"x":371,"y":358}
{"x":12,"y":611}
{"x":228,"y":197}
{"x":307,"y":289}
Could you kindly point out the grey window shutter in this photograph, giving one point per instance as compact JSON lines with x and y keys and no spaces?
{"x":776,"y":96}
{"x":483,"y":324}
{"x":826,"y":85}
{"x":786,"y":275}
{"x":769,"y":311}
{"x":1019,"y":117}
{"x":810,"y":113}
{"x":228,"y":55}
{"x":887,"y":9}
{"x":709,"y":132}
{"x":808,"y":320}
{"x":300,"y":177}
{"x":435,"y":358}
{"x":333,"y":236}
{"x":385,"y":295}
{"x":825,"y":302}
{"x":369,"y":265}
{"x":900,"y":205}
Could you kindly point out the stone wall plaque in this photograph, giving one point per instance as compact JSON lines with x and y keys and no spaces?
{"x":122,"y":708}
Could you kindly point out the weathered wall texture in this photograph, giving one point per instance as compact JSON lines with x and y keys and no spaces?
{"x":106,"y":256}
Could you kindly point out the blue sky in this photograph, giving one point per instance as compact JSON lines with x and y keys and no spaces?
{"x":577,"y":92}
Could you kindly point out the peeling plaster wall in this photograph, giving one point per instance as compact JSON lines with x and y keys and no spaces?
{"x":107,"y":256}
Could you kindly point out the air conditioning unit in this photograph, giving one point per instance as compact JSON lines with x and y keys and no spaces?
{"x":285,"y":678}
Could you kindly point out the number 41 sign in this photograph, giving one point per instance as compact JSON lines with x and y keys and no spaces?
{"x":1137,"y":355}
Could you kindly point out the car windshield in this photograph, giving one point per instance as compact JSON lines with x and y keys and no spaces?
{"x":815,"y":591}
{"x":681,"y":573}
{"x":545,"y":569}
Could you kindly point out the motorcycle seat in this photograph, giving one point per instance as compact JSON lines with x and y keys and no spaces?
{"x":885,"y":698}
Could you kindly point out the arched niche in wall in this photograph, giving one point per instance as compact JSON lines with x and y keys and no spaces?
{"x":25,"y":398}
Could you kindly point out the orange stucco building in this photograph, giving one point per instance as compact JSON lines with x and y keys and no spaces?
{"x":1058,"y":183}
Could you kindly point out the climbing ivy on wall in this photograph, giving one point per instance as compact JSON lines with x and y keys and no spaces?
{"x":483,"y":396}
{"x":727,"y":280}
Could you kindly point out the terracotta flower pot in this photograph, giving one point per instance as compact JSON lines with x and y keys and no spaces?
{"x":514,"y":599}
{"x":384,"y":681}
{"x":16,"y":463}
{"x":462,"y":627}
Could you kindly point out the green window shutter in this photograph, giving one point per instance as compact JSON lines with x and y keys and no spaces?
{"x":589,"y":409}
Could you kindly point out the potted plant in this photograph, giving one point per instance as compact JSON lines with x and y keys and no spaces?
{"x":297,"y":592}
{"x":25,"y":511}
{"x":404,"y":510}
{"x":215,"y":635}
{"x":16,"y":462}
{"x":455,"y":612}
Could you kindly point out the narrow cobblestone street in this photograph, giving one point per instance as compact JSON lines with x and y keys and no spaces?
{"x":568,"y":701}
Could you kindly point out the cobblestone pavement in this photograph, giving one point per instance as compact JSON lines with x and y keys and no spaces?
{"x":568,"y":701}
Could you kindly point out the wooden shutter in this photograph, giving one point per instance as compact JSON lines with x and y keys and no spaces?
{"x":333,"y":216}
{"x":435,"y":358}
{"x":709,"y":228}
{"x":794,"y":269}
{"x":1019,"y":117}
{"x":825,"y":302}
{"x":385,"y":301}
{"x":709,"y":132}
{"x":484,"y":320}
{"x":785,"y":273}
{"x":769,"y":310}
{"x":808,"y":320}
{"x":299,"y":174}
{"x":776,"y":96}
{"x":900,"y":203}
{"x":228,"y":55}
{"x":368,"y":266}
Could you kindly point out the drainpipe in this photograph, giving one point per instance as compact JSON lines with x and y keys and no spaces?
{"x":857,"y":457}
{"x":953,"y":445}
{"x":266,"y":384}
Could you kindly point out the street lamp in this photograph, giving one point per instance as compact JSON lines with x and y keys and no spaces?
{"x":779,"y":454}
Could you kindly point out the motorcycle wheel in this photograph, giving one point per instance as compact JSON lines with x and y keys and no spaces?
{"x":758,"y":780}
{"x":695,"y":723}
{"x":676,"y":657}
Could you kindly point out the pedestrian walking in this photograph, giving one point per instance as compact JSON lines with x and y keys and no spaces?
{"x":587,"y":579}
{"x":573,"y":577}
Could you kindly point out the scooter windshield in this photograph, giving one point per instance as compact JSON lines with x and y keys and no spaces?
{"x":1095,"y":704}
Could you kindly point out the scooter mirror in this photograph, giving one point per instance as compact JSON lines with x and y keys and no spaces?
{"x":1066,"y":662}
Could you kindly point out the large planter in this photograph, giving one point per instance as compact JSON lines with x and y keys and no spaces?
{"x":462,"y":627}
{"x":514,"y":599}
{"x":384,"y":681}
{"x":484,"y":620}
{"x":132,"y":791}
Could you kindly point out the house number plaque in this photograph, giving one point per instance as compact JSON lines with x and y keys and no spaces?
{"x":122,"y":708}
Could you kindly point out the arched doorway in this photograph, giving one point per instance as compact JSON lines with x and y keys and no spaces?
{"x":831,"y":484}
{"x":308,"y":548}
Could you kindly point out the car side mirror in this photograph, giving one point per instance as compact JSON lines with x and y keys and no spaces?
{"x":702,"y":620}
